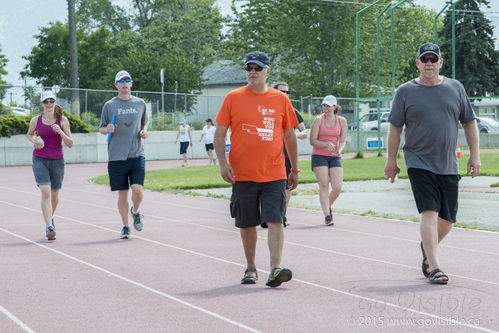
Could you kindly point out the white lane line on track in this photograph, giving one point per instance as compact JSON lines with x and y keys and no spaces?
{"x":235,"y":232}
{"x":16,"y":320}
{"x":137,"y":284}
{"x":449,"y":321}
{"x":306,"y":224}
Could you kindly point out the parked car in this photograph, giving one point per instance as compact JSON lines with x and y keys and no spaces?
{"x":487,"y":125}
{"x":16,"y":111}
{"x":369,"y":122}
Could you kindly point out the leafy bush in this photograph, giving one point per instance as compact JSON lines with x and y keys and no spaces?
{"x":12,"y":125}
{"x":92,"y":120}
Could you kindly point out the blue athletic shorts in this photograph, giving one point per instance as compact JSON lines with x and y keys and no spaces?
{"x":122,"y":174}
{"x":254,"y":203}
{"x":48,"y":172}
{"x":183,"y":147}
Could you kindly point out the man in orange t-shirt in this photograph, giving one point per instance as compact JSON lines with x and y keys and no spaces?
{"x":259,"y":117}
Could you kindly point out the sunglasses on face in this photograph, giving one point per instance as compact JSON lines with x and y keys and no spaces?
{"x":49,"y":101}
{"x":257,"y":68}
{"x":127,"y":79}
{"x":424,"y":60}
{"x":285,"y":91}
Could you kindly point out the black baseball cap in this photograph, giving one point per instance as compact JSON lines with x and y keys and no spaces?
{"x":257,"y":57}
{"x":428,"y":48}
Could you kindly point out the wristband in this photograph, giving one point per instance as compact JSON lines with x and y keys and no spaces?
{"x":295,"y":171}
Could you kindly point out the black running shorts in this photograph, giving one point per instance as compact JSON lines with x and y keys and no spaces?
{"x":435,"y":192}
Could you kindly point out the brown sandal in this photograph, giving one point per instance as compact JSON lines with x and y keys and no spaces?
{"x":249,"y":277}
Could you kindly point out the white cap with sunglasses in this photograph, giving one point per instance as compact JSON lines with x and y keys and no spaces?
{"x":47,"y":94}
{"x":122,"y":74}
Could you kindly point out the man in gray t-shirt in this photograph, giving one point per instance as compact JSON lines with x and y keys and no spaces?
{"x":431,"y":107}
{"x":126,"y":162}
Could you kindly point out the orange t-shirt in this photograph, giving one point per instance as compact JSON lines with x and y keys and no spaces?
{"x":256,"y":122}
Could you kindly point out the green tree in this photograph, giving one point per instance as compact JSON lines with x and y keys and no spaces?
{"x":95,"y":14}
{"x":477,"y":62}
{"x":3,"y":90}
{"x":312,"y":44}
{"x":184,"y":38}
{"x":48,"y":61}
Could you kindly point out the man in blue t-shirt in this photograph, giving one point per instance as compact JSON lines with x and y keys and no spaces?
{"x":430,"y":107}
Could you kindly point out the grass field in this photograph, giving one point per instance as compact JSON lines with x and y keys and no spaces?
{"x":208,"y":176}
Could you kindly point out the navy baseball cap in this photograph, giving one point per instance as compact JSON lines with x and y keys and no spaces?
{"x":257,"y":57}
{"x":428,"y":48}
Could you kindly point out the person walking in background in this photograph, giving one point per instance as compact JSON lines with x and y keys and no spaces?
{"x":47,"y":132}
{"x":328,"y":136}
{"x":126,"y":162}
{"x":184,"y":133}
{"x":259,"y":117}
{"x":301,"y":134}
{"x":208,"y":134}
{"x":430,"y":107}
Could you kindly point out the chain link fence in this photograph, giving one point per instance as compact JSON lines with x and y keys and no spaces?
{"x":165,"y":109}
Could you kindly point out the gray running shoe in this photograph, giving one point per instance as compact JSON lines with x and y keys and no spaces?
{"x":50,"y":232}
{"x":125,"y":232}
{"x":137,"y":220}
{"x":329,"y":220}
{"x":53,"y":223}
{"x":278,"y":276}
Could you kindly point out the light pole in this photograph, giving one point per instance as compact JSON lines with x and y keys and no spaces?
{"x":357,"y":55}
{"x":162,"y":80}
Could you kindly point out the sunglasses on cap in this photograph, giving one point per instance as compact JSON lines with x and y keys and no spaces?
{"x":424,"y":59}
{"x":126,"y":79}
{"x":257,"y":68}
{"x":49,"y":101}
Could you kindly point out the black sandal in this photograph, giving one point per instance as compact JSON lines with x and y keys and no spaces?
{"x":248,"y":277}
{"x":424,"y":266}
{"x":437,"y":276}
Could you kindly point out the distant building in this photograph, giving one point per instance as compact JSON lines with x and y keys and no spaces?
{"x":219,"y":78}
{"x":488,"y":108}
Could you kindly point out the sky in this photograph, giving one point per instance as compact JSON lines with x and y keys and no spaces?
{"x":20,"y":20}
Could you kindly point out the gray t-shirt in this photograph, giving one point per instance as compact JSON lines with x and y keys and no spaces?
{"x":130,"y":119}
{"x":431,"y":115}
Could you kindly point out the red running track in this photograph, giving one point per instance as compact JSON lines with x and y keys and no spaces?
{"x":182,"y":272}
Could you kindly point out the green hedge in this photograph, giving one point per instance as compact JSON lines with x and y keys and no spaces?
{"x":12,"y":125}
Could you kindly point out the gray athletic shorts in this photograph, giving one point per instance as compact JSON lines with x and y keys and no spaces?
{"x":329,"y":161}
{"x":254,"y":203}
{"x":48,"y":172}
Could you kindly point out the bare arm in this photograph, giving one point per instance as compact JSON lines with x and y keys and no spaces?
{"x":292,"y":148}
{"x":302,"y":134}
{"x":178,"y":134}
{"x":144,"y":133}
{"x":343,"y":136}
{"x":391,"y":167}
{"x":472,"y":137}
{"x":190,"y":137}
{"x":219,"y":140}
{"x":31,"y":133}
{"x":64,"y":132}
